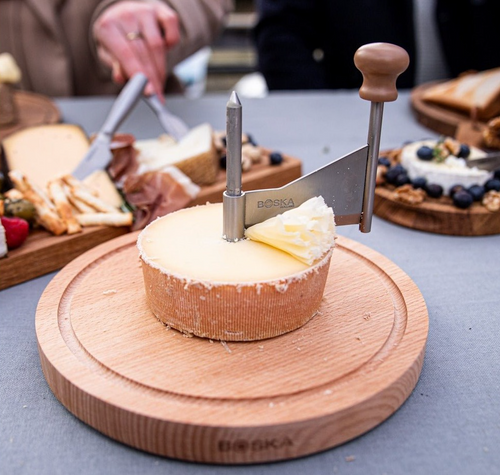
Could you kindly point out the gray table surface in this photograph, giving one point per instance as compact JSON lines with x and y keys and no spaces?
{"x":451,"y":422}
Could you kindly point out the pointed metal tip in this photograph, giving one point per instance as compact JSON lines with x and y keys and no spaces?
{"x":234,"y":100}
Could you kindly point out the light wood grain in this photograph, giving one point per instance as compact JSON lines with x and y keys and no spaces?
{"x":113,"y":365}
{"x":43,"y":252}
{"x":436,"y":216}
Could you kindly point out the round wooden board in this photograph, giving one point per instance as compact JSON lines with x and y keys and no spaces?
{"x":438,"y":118}
{"x":436,"y":216}
{"x":113,"y":365}
{"x":33,"y":109}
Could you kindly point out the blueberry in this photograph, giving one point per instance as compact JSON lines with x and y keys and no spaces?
{"x":462,"y":199}
{"x":223,"y":162}
{"x":402,"y":179}
{"x":464,"y":151}
{"x":419,"y":182}
{"x":434,"y":190}
{"x":384,"y":161}
{"x":477,"y":192}
{"x":224,"y":140}
{"x":276,"y":158}
{"x":493,"y":184}
{"x":425,"y":153}
{"x":392,"y":174}
{"x":496,"y":174}
{"x":454,"y":189}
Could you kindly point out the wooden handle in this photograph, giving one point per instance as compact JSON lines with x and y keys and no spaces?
{"x":380,"y":64}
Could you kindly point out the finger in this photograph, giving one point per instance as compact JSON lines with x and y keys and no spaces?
{"x":132,"y":54}
{"x":156,"y":45}
{"x":169,"y":22}
{"x":107,"y":59}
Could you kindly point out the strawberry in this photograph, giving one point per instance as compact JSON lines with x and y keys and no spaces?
{"x":16,"y":231}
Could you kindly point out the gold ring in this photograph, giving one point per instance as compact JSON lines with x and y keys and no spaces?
{"x":133,"y":35}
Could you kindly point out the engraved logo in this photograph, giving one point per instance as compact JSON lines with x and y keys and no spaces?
{"x":279,"y":203}
{"x":256,"y":445}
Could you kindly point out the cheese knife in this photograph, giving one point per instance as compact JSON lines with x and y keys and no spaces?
{"x":346,"y":184}
{"x":173,"y":125}
{"x":99,"y":154}
{"x":490,"y":162}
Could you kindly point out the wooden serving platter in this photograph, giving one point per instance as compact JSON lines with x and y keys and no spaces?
{"x":436,"y":216}
{"x":440,"y":119}
{"x":42,"y":252}
{"x":117,"y":368}
{"x":33,"y":109}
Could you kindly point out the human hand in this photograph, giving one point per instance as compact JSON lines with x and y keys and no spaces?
{"x":134,"y":37}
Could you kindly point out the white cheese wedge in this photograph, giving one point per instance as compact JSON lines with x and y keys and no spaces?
{"x":45,"y":152}
{"x":198,"y":283}
{"x":305,"y":232}
{"x":3,"y":241}
{"x":452,"y":171}
{"x":195,"y":154}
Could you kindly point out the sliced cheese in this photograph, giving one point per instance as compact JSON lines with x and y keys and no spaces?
{"x":306,"y":232}
{"x":45,"y":152}
{"x":101,"y":183}
{"x":195,"y":155}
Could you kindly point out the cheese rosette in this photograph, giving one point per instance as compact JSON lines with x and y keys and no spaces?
{"x":306,"y":232}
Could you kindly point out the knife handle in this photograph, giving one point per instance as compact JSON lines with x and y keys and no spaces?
{"x":380,"y":64}
{"x":125,"y":102}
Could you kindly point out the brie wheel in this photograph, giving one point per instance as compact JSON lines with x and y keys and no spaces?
{"x":200,"y":284}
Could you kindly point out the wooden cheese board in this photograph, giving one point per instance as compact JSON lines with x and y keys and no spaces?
{"x":33,"y":109}
{"x":42,"y":252}
{"x":440,"y":119}
{"x":437,"y":216}
{"x":112,"y":364}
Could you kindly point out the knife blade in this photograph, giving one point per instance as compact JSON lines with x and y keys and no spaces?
{"x":99,"y":154}
{"x":340,"y":183}
{"x":172,"y":124}
{"x":490,"y":162}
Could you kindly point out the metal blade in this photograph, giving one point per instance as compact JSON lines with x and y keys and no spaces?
{"x":341,"y":184}
{"x":172,"y":124}
{"x":99,"y":154}
{"x":97,"y":158}
{"x":491,"y":162}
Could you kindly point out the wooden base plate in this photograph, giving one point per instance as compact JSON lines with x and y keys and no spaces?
{"x":113,"y":365}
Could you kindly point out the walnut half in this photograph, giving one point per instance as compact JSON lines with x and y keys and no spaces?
{"x":491,"y":200}
{"x":408,"y":194}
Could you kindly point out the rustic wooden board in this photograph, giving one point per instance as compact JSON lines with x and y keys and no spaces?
{"x":117,"y":368}
{"x":33,"y":109}
{"x":436,"y":216}
{"x":43,"y":252}
{"x":438,"y":118}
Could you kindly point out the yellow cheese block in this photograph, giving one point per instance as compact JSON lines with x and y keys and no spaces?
{"x":45,"y":152}
{"x":198,"y":283}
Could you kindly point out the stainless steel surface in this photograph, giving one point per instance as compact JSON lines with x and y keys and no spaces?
{"x":340,"y":183}
{"x":491,"y":162}
{"x":233,"y":199}
{"x":171,"y":123}
{"x":374,"y":129}
{"x":99,"y":154}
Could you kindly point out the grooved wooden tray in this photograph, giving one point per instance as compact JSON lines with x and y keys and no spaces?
{"x":113,"y":365}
